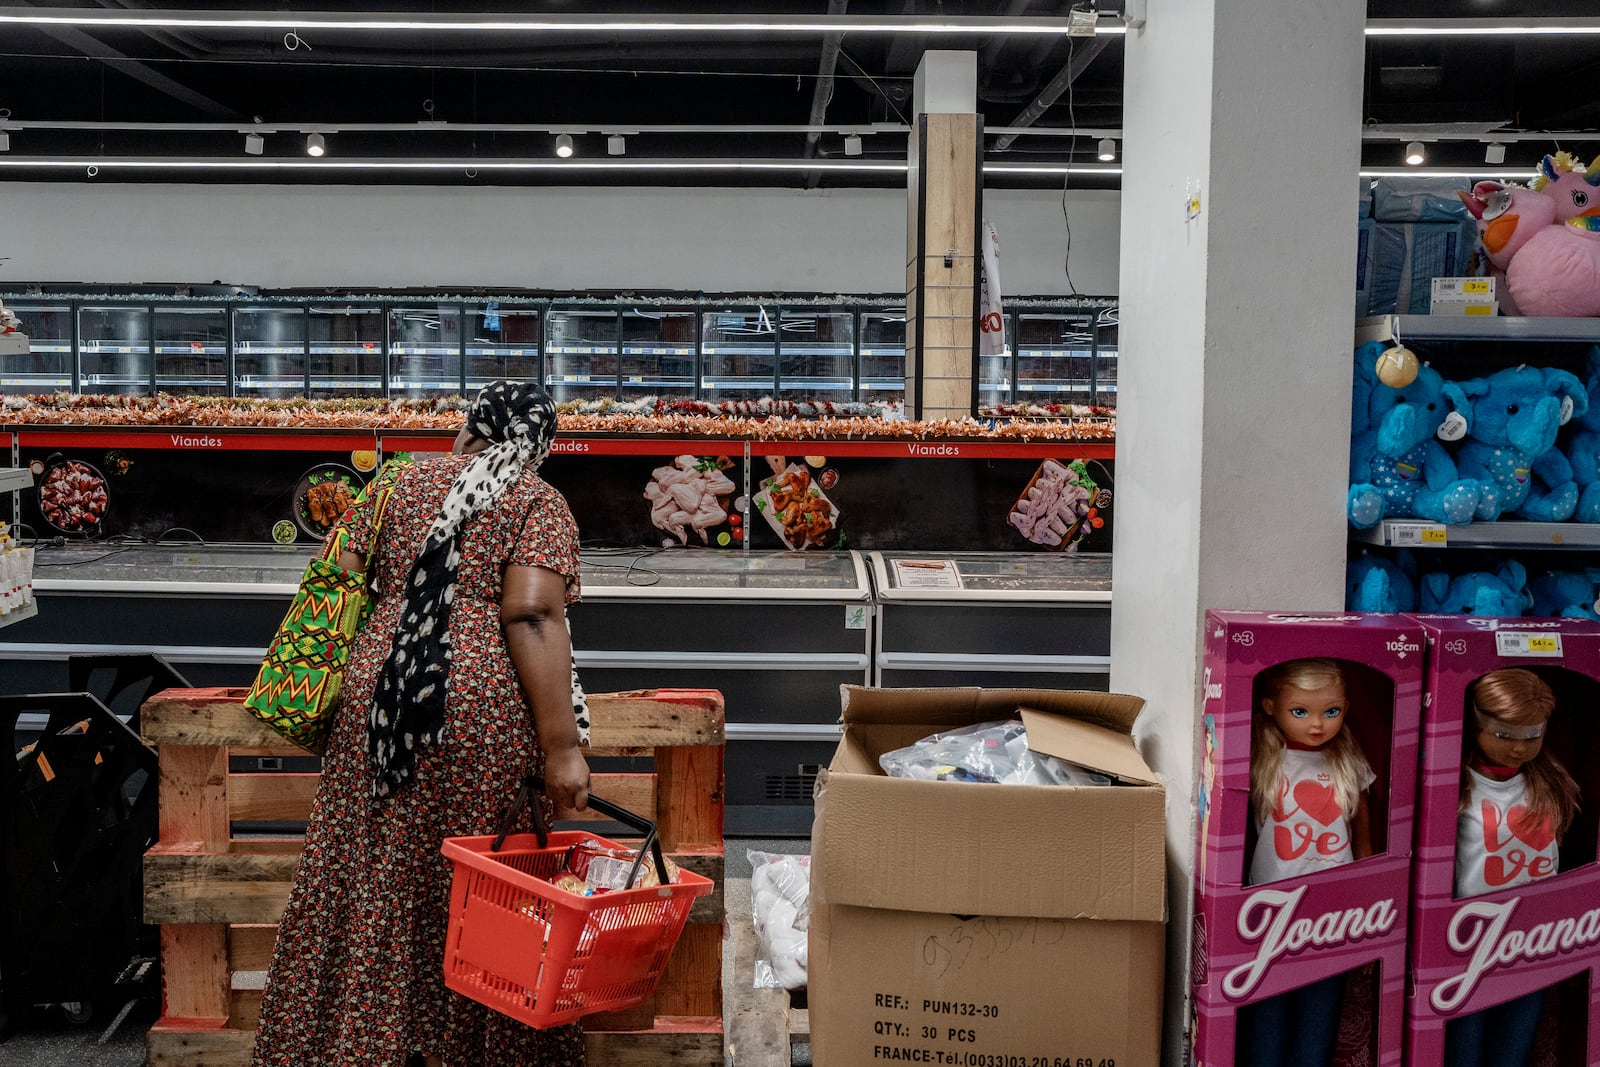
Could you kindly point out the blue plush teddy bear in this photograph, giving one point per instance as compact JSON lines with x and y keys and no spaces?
{"x":1378,"y":583}
{"x":1516,"y":414}
{"x":1397,"y":467}
{"x":1566,"y":594}
{"x":1479,"y":593}
{"x":1583,"y":448}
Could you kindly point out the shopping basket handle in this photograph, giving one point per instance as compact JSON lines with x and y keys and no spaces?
{"x":652,"y":839}
{"x":524,"y":799}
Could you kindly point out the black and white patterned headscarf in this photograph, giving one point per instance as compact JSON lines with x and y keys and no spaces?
{"x":519,"y":422}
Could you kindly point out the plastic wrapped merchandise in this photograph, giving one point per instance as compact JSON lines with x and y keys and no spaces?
{"x":993,"y":752}
{"x":780,"y":902}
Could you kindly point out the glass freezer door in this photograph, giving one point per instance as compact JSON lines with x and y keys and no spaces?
{"x":883,"y":354}
{"x":347,"y":350}
{"x":1105,"y":358}
{"x":739,"y":353}
{"x":816,"y":351}
{"x":269,"y":351}
{"x":192,"y":350}
{"x":505,"y":343}
{"x":658,"y":353}
{"x":48,"y":367}
{"x":1055,"y":356}
{"x":114,"y":349}
{"x":581,"y":353}
{"x":425,"y":351}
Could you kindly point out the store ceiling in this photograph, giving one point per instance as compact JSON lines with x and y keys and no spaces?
{"x":592,"y":83}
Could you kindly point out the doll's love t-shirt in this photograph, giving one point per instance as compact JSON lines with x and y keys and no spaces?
{"x":1499,"y":842}
{"x":1306,"y":831}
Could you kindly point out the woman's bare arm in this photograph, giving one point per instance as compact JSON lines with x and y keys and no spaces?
{"x":532,"y":609}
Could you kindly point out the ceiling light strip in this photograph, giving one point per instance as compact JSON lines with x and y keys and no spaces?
{"x":1510,"y":173}
{"x":332,"y":164}
{"x":1484,"y":27}
{"x":425,"y":22}
{"x":300,"y":22}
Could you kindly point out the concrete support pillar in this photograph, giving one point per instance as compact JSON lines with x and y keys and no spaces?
{"x":944,"y":211}
{"x":1241,"y":148}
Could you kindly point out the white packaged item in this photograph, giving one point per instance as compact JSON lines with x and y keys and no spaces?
{"x":992,"y":752}
{"x":780,"y":903}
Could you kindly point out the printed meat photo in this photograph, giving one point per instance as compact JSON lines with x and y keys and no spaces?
{"x":1059,"y":505}
{"x":796,"y":508}
{"x":73,"y":496}
{"x":691,"y":494}
{"x":325,"y":492}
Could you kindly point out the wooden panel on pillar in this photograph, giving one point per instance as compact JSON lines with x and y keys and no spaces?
{"x":945,"y":198}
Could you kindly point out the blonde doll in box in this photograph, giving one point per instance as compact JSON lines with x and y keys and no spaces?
{"x":1308,"y":797}
{"x":1517,"y":803}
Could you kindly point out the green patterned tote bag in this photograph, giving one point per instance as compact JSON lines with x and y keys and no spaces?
{"x":297,"y":688}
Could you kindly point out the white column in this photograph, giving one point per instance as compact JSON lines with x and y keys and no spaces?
{"x":1233,"y":428}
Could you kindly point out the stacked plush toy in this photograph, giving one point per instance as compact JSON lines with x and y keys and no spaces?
{"x":1522,"y":444}
{"x":1543,"y":240}
{"x":1485,"y":448}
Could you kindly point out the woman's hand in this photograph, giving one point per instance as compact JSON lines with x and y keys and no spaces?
{"x":566,"y":779}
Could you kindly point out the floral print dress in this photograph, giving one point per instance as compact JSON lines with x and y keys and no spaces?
{"x":357,"y":972}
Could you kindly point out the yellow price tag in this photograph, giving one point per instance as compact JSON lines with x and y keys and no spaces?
{"x":1542,"y":644}
{"x":1479,"y":309}
{"x":1433,"y":535}
{"x":1479,"y":286}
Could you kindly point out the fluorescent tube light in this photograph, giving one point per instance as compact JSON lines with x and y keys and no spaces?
{"x":153,"y":18}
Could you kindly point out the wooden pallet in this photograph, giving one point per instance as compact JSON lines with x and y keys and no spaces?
{"x":763,"y":1026}
{"x":218,"y":898}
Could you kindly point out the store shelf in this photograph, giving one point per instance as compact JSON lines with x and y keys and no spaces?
{"x":1410,"y":328}
{"x":27,"y":611}
{"x":1412,"y":533}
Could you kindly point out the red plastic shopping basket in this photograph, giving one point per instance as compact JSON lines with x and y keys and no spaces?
{"x":543,"y":955}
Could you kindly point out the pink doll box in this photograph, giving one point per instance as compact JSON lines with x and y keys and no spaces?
{"x":1473,"y":953}
{"x":1253,"y":942}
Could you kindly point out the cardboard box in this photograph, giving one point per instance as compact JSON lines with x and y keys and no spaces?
{"x":1252,"y":943}
{"x":962,"y":923}
{"x":1472,"y":953}
{"x":1463,"y":296}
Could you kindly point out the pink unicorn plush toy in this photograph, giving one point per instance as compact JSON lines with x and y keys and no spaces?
{"x":1543,"y":242}
{"x":1508,"y":216}
{"x":1573,"y":188}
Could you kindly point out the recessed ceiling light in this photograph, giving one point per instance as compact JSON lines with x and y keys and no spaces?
{"x":564,"y":145}
{"x":316,"y":144}
{"x":1108,"y":150}
{"x":1415,"y":154}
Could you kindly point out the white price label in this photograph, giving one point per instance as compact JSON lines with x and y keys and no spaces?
{"x":1416,"y":534}
{"x":1512,"y":643}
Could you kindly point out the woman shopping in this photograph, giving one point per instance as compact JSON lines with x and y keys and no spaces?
{"x":460,"y":684}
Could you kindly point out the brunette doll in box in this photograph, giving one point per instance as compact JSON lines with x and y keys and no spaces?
{"x":1308,"y":796}
{"x":1517,"y":803}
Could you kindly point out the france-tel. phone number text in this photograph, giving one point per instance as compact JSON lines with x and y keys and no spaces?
{"x":970,"y":1058}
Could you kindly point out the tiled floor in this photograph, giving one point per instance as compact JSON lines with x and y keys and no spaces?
{"x":43,"y":1038}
